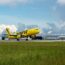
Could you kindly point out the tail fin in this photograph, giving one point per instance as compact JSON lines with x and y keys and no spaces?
{"x":8,"y":31}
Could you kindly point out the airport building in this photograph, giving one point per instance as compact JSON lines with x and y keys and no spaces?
{"x":54,"y":37}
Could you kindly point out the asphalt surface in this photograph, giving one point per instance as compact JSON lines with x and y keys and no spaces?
{"x":32,"y":41}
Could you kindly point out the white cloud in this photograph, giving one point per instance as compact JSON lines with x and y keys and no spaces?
{"x":46,"y":25}
{"x":13,"y":2}
{"x":61,"y":2}
{"x":49,"y":32}
{"x":11,"y":27}
{"x":60,"y":24}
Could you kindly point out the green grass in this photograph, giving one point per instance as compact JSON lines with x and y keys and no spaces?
{"x":32,"y":53}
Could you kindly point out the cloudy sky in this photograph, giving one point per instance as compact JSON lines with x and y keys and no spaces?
{"x":31,"y":11}
{"x":37,"y":12}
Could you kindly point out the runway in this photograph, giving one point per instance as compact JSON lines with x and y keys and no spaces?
{"x":48,"y":41}
{"x":32,"y":41}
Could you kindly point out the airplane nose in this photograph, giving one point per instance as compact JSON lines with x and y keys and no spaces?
{"x":37,"y":30}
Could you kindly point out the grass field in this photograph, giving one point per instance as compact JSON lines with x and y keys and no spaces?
{"x":32,"y":53}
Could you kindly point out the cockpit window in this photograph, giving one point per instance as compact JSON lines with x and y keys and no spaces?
{"x":36,"y":29}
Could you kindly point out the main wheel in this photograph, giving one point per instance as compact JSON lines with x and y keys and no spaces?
{"x":27,"y":39}
{"x":17,"y":39}
{"x":3,"y":38}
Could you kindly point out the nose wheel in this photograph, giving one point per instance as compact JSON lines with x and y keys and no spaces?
{"x":27,"y":39}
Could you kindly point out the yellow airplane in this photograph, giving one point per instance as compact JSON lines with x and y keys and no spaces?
{"x":27,"y":33}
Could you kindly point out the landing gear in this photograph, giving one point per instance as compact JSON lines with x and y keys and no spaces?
{"x":18,"y":39}
{"x":27,"y":39}
{"x":3,"y":38}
